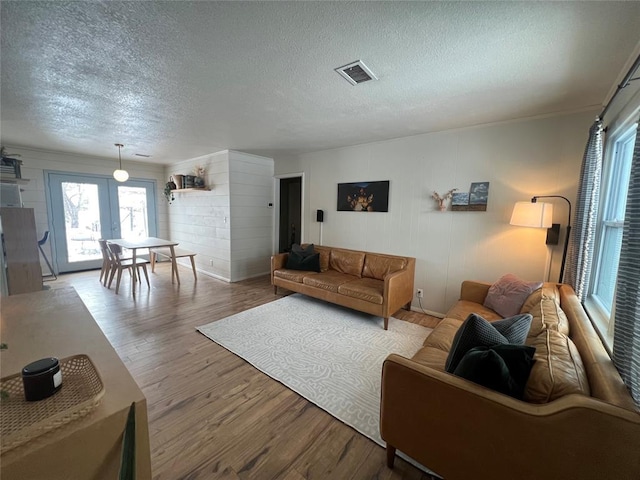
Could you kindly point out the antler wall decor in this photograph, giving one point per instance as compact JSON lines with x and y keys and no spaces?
{"x":441,"y":199}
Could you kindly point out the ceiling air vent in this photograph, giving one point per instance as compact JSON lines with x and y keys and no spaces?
{"x":356,"y":72}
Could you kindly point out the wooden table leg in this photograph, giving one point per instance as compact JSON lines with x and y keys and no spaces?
{"x":134,"y":274}
{"x":174,"y":265}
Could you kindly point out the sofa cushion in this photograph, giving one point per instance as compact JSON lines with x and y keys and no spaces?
{"x":503,"y":368}
{"x":292,"y":275}
{"x":368,"y":289}
{"x":431,"y":357}
{"x":329,"y":280}
{"x":547,"y":315}
{"x":558,"y":370}
{"x":442,"y":335}
{"x":476,"y":332}
{"x":347,"y":261}
{"x":378,"y":266}
{"x":508,"y":294}
{"x":462,"y":309}
{"x":548,"y":291}
{"x":325,"y":254}
{"x":437,"y":345}
{"x":303,"y":261}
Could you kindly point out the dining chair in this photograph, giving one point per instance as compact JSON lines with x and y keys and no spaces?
{"x":118,"y":264}
{"x":106,"y":262}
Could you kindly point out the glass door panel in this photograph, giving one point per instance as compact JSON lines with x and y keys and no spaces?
{"x":81,"y":221}
{"x":86,"y":208}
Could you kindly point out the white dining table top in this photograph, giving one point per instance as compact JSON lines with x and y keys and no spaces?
{"x":143,"y":242}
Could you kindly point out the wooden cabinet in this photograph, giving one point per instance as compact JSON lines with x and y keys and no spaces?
{"x":57,"y":323}
{"x":20,"y":245}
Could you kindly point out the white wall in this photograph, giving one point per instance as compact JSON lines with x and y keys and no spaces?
{"x":519,"y":159}
{"x":199,"y":221}
{"x":230,"y":227}
{"x":36,"y":161}
{"x":251,"y":189}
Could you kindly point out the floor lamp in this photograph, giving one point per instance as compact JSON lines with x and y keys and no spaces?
{"x":534,"y":214}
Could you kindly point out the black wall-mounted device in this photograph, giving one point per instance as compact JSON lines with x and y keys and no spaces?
{"x":319,"y":216}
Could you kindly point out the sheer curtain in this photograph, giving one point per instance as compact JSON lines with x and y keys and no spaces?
{"x":626,"y":330}
{"x":580,"y":252}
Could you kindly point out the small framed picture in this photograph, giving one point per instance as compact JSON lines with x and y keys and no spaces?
{"x":460,"y":198}
{"x":479,"y":193}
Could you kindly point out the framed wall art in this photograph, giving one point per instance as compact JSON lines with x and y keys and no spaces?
{"x":363,"y":196}
{"x":474,"y":201}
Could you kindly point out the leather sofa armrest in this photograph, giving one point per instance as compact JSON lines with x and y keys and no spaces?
{"x":398,"y":288}
{"x":458,"y":428}
{"x":278,"y":261}
{"x":473,"y":291}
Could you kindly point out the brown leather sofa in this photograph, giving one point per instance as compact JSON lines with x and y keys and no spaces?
{"x":577,"y":419}
{"x":369,"y":282}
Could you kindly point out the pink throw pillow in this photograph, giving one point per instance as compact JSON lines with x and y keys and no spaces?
{"x":508,"y":294}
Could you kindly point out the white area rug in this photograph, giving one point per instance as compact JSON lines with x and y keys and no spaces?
{"x":330,"y":355}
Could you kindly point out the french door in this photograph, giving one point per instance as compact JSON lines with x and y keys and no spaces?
{"x":85,"y":208}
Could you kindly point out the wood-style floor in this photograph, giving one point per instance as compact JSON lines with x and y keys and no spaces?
{"x":211,"y":414}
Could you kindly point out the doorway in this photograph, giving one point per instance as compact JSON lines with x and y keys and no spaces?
{"x":85,"y":208}
{"x":289,"y":216}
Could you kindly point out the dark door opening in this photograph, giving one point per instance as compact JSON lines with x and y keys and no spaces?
{"x":290,"y":212}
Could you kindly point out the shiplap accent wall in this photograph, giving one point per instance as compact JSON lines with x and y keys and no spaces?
{"x":231,"y":226}
{"x":35,"y":162}
{"x":520,"y":159}
{"x":251,"y":190}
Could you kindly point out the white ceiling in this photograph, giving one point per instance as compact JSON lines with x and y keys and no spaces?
{"x":181,"y":79}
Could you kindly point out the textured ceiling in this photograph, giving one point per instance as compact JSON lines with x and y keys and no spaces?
{"x":176,"y":80}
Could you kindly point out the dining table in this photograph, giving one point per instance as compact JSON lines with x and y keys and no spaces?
{"x":134,"y":244}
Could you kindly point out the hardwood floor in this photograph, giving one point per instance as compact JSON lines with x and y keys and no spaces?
{"x":211,"y":414}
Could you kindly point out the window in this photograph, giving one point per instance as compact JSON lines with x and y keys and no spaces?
{"x":613,"y":202}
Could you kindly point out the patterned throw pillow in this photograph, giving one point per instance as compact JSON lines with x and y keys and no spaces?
{"x":478,"y":332}
{"x":503,"y":368}
{"x":508,"y":294}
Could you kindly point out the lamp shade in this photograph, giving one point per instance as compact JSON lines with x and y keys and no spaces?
{"x":530,"y":214}
{"x":121,"y":175}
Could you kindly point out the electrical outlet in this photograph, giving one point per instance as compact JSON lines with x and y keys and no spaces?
{"x":420,"y":293}
{"x":211,"y":263}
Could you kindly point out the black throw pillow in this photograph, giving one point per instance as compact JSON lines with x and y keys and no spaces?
{"x":478,"y":332}
{"x":503,"y":368}
{"x":303,"y":251}
{"x":296,"y":261}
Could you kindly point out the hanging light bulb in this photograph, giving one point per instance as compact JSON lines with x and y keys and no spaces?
{"x":120,"y":174}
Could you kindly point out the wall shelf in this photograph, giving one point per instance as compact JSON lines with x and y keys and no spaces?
{"x":185,"y":190}
{"x":19,"y":181}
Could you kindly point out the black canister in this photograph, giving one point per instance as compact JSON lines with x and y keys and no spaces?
{"x":41,"y":379}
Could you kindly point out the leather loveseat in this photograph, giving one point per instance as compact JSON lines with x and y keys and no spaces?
{"x":374,"y":283}
{"x":577,"y":419}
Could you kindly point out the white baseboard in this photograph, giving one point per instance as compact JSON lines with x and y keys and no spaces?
{"x":428,"y":312}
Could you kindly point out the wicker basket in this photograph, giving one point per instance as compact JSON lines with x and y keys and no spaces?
{"x":21,"y":421}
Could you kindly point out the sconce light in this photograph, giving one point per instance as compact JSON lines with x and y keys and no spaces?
{"x":540,"y":215}
{"x":120,"y":174}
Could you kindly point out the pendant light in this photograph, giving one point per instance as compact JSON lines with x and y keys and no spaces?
{"x":120,"y":174}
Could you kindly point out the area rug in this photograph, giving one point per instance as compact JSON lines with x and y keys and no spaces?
{"x":330,"y":355}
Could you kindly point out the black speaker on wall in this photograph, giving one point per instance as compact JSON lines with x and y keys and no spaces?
{"x":319,"y":216}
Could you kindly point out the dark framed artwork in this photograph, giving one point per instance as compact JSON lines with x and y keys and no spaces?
{"x":363,"y":196}
{"x":479,"y":193}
